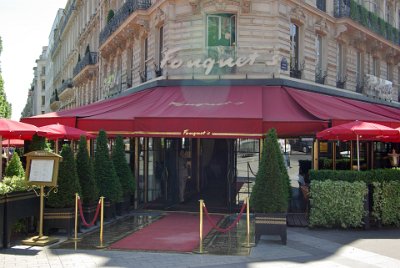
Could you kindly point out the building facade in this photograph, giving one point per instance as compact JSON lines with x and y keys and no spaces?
{"x":103,"y":49}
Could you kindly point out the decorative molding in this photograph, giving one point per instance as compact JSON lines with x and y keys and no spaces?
{"x":159,"y":18}
{"x":297,"y":15}
{"x":321,"y":27}
{"x":195,"y":6}
{"x":246,"y":6}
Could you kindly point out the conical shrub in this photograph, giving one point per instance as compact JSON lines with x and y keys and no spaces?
{"x":106,"y":177}
{"x":84,"y":166}
{"x":68,"y":181}
{"x":124,"y":173}
{"x":14,"y":167}
{"x":271,"y":189}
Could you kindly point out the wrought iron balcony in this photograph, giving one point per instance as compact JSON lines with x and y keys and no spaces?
{"x":358,"y":13}
{"x":341,"y":81}
{"x":296,"y":69}
{"x":320,"y":76}
{"x":121,"y":15}
{"x":89,"y":59}
{"x":66,"y":84}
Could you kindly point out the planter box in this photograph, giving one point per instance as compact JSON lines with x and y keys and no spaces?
{"x":18,"y":205}
{"x":270,"y":224}
{"x":59,"y":218}
{"x":2,"y":205}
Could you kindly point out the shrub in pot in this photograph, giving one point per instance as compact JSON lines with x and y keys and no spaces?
{"x":60,"y":212}
{"x":124,"y":172}
{"x":270,"y":195}
{"x":14,"y":167}
{"x":90,"y":192}
{"x":16,"y":203}
{"x":106,"y":177}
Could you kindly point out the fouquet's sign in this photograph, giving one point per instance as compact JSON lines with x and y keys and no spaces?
{"x":172,"y":60}
{"x":378,"y":87}
{"x":188,"y":132}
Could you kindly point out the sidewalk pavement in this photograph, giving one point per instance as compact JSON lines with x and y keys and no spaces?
{"x":305,"y":248}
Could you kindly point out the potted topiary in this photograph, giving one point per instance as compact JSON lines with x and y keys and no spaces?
{"x":60,"y":206}
{"x":14,"y":167}
{"x":106,"y":177}
{"x":270,"y":195}
{"x":124,"y":173}
{"x":90,"y":192}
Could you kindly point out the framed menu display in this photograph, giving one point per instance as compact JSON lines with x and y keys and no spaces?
{"x":42,"y":168}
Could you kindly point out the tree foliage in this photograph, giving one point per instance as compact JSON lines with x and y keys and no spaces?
{"x":68,"y":182}
{"x":5,"y":106}
{"x":106,"y":177}
{"x":38,"y":144}
{"x":271,"y":190}
{"x":84,"y":166}
{"x":14,"y":167}
{"x":124,"y":173}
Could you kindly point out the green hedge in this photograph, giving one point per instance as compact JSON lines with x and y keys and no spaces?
{"x":386,"y":205}
{"x":369,"y":176}
{"x":337,"y":203}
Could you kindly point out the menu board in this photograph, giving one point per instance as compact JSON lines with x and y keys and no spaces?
{"x":41,"y":170}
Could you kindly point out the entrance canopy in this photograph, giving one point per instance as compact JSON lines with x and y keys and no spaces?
{"x":218,"y":112}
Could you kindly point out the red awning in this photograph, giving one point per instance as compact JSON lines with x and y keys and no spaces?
{"x":219,"y":111}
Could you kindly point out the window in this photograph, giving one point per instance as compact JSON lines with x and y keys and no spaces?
{"x":375,"y":67}
{"x":145,"y":54}
{"x":294,"y":51}
{"x":321,"y":5}
{"x":43,"y":71}
{"x":43,"y":100}
{"x":340,"y":71}
{"x":160,"y":50}
{"x":359,"y":72}
{"x":389,"y":70}
{"x":320,"y":74}
{"x":221,"y":30}
{"x":43,"y":85}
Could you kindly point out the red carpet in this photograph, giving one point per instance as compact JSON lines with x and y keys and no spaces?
{"x":174,"y":232}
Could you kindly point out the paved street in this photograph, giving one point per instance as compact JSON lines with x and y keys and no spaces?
{"x":305,"y":248}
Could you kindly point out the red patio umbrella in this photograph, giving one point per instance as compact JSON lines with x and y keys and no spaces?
{"x":11,"y":129}
{"x":58,"y":131}
{"x":13,"y":142}
{"x":358,"y":130}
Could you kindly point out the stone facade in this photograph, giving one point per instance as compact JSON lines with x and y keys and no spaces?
{"x":102,"y":53}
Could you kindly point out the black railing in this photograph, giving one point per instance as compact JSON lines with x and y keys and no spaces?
{"x":320,"y":76}
{"x":121,"y":15}
{"x":296,"y":69}
{"x":371,"y":20}
{"x":360,"y":85}
{"x":66,"y":84}
{"x":89,"y":59}
{"x":321,"y":5}
{"x":341,"y":81}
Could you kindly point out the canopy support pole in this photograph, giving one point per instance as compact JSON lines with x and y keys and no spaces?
{"x":358,"y":153}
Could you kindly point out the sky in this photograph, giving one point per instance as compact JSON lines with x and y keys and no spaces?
{"x":24,"y":29}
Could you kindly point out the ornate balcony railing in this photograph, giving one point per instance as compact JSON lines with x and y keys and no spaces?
{"x":88,"y":59}
{"x":66,"y":84}
{"x":368,"y":19}
{"x":320,"y":76}
{"x":121,"y":15}
{"x":296,"y":69}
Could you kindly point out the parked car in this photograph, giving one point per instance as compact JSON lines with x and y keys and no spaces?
{"x":302,"y":145}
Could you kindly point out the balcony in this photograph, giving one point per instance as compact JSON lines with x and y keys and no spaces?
{"x":121,"y":15}
{"x":66,"y":84}
{"x":358,"y":13}
{"x":88,"y":59}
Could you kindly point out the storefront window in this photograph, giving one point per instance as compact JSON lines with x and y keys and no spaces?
{"x":155,"y":165}
{"x":141,"y":175}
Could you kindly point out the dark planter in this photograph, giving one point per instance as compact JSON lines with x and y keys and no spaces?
{"x":2,"y":205}
{"x":270,"y":224}
{"x":109,"y":210}
{"x":89,"y":211}
{"x":59,"y":218}
{"x":18,"y":205}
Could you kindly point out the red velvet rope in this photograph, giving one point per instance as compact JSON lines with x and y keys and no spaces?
{"x":230,"y":226}
{"x":83,"y":218}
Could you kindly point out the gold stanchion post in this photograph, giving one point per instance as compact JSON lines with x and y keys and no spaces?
{"x":40,"y":240}
{"x":76,"y":217}
{"x":201,"y":251}
{"x":248,"y":244}
{"x":101,"y":223}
